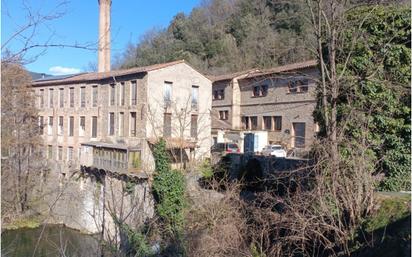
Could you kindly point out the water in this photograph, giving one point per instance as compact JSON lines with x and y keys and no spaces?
{"x":47,"y":241}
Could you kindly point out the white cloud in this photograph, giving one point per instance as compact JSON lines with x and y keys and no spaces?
{"x":59,"y":70}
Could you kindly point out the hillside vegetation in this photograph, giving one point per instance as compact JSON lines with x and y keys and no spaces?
{"x":223,"y":36}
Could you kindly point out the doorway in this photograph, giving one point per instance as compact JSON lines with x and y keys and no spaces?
{"x":298,"y":138}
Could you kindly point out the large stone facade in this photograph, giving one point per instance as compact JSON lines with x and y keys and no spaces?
{"x":279,"y":102}
{"x":123,"y":117}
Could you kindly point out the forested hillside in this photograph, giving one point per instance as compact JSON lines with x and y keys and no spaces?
{"x":228,"y":35}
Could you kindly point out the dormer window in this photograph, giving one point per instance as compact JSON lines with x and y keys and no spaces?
{"x":259,"y":91}
{"x":299,"y":86}
{"x":219,"y":94}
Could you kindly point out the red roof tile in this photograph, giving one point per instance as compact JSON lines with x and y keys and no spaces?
{"x":94,"y":76}
{"x":255,"y":72}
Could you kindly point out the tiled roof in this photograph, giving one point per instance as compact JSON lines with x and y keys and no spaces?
{"x":255,"y":72}
{"x":94,"y":76}
{"x":284,"y":68}
{"x":231,"y":75}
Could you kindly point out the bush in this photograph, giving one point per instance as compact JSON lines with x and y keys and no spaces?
{"x":390,"y":210}
{"x":137,"y":242}
{"x":169,"y":190}
{"x":206,"y":169}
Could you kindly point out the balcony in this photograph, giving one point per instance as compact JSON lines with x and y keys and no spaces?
{"x":115,"y":158}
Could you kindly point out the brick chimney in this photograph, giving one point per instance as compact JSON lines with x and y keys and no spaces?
{"x":104,"y":35}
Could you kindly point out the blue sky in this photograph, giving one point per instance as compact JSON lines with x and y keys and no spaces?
{"x":130,"y":20}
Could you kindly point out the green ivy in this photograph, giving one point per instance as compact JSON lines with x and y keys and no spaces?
{"x":377,"y":78}
{"x":129,"y":187}
{"x":169,"y":189}
{"x":138,"y":243}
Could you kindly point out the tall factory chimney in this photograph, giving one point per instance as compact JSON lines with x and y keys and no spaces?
{"x":104,"y":35}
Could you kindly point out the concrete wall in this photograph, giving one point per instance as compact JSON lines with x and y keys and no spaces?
{"x":83,"y":202}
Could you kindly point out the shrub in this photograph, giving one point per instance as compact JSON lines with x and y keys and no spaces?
{"x":169,"y":190}
{"x":206,"y":169}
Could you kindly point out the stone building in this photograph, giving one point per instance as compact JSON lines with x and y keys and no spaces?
{"x":109,"y":120}
{"x":278,"y":102}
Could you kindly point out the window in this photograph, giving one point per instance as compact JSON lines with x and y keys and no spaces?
{"x":41,"y":125}
{"x":94,"y":126}
{"x":133,"y":124}
{"x":293,"y":88}
{"x":50,"y":152}
{"x":299,"y":86}
{"x":256,"y":91}
{"x":121,"y":124}
{"x":112,"y":94}
{"x":304,"y":86}
{"x":261,"y":90}
{"x":60,"y":126}
{"x":215,"y":94}
{"x":250,"y":122}
{"x":51,"y":100}
{"x":122,"y":93}
{"x":299,"y":131}
{"x":133,"y":93}
{"x":41,"y":98}
{"x":82,"y":127}
{"x":50,"y":126}
{"x":71,"y":96}
{"x":70,"y":152}
{"x":245,"y":122}
{"x":264,"y":90}
{"x":95,"y":95}
{"x":278,"y":123}
{"x":167,"y":125}
{"x":223,"y":115}
{"x":83,"y":97}
{"x":61,"y":97}
{"x":195,"y":97}
{"x":60,"y":153}
{"x":71,"y":126}
{"x":193,"y":126}
{"x":111,"y":123}
{"x":167,"y":93}
{"x":254,"y":122}
{"x":219,"y":94}
{"x":267,"y":122}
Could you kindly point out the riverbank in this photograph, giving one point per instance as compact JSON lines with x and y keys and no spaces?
{"x":48,"y":240}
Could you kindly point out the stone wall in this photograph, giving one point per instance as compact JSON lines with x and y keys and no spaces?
{"x":87,"y":200}
{"x":264,"y":167}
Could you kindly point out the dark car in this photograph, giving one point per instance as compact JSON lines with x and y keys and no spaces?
{"x":225,"y":148}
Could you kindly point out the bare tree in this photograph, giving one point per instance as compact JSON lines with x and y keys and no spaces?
{"x":21,"y":143}
{"x":24,"y":45}
{"x":184,"y":133}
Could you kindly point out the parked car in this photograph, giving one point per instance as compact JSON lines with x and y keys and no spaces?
{"x":274,"y":150}
{"x":225,"y":148}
